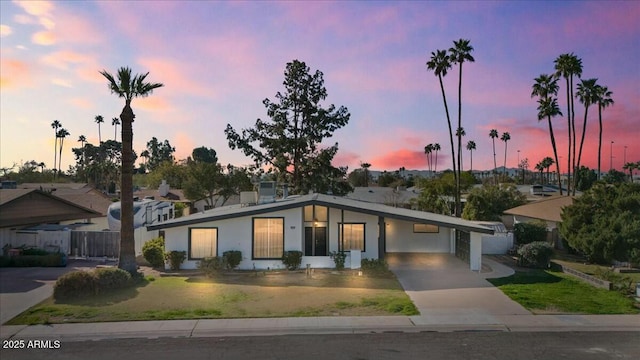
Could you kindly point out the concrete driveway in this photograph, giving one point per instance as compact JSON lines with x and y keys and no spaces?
{"x":22,"y":288}
{"x":442,"y":286}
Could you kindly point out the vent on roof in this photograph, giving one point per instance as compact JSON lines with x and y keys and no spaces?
{"x":267,"y":192}
{"x":248,"y":198}
{"x":163,"y":189}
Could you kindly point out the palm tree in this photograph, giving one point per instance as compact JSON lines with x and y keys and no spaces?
{"x":99,"y":120}
{"x":459,"y":53}
{"x":82,"y":139}
{"x":471,"y":145}
{"x":62,"y":133}
{"x":493,"y":134}
{"x":603,"y":98}
{"x":546,"y":163}
{"x":505,"y":137}
{"x":546,"y":87}
{"x":365,"y":167}
{"x":440,"y":64}
{"x":145,"y":154}
{"x":568,"y":66}
{"x":436,"y":148}
{"x":128,"y":87}
{"x":460,"y":133}
{"x":55,"y":125}
{"x":41,"y":165}
{"x":115,"y":122}
{"x":587,"y":94}
{"x":428,"y":150}
{"x":540,"y":167}
{"x":630,"y":166}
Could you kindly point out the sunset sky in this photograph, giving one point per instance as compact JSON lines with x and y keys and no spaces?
{"x":220,"y":60}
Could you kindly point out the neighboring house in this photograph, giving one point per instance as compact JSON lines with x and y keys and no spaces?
{"x":548,"y":210}
{"x":318,"y":225}
{"x":396,"y":197}
{"x":21,"y":209}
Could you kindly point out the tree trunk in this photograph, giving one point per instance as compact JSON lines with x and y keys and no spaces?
{"x":453,"y":155}
{"x":458,"y":192}
{"x":599,"y":138}
{"x":127,"y":260}
{"x":573,"y":134}
{"x":584,"y":130}
{"x":555,"y":153}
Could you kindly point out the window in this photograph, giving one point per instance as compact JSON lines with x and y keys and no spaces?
{"x":313,"y":213}
{"x":203,"y":243}
{"x":352,"y":237}
{"x":425,"y":228}
{"x":268,"y":238}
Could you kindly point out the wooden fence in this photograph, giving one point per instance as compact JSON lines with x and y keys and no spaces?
{"x":95,"y":244}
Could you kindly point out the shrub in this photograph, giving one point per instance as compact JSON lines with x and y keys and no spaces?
{"x":232,"y":258}
{"x":526,"y":233}
{"x":153,"y":252}
{"x":34,"y":251}
{"x":292,"y":259}
{"x":338,"y":258}
{"x":535,"y":254}
{"x":48,"y":260}
{"x":111,"y":278}
{"x":75,"y":284}
{"x":623,"y":284}
{"x":374,"y":266}
{"x":211,"y":266}
{"x":175,"y":258}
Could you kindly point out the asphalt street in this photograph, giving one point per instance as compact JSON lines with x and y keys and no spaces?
{"x":425,"y":345}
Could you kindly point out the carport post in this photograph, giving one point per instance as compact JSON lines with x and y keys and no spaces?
{"x":382,"y":237}
{"x":475,"y":251}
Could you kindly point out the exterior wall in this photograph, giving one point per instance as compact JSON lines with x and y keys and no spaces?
{"x":401,"y":238}
{"x":371,"y":233}
{"x":236,"y":234}
{"x":497,"y":244}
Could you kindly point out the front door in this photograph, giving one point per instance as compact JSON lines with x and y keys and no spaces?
{"x":315,"y":241}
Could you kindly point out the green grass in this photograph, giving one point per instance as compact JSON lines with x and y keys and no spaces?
{"x":235,"y":296}
{"x":545,"y":291}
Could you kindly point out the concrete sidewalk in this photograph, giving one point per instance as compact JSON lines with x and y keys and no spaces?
{"x":317,"y":325}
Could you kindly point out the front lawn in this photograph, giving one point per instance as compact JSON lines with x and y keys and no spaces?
{"x":236,"y":295}
{"x":546,"y":291}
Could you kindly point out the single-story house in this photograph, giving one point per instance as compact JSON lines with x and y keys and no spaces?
{"x":548,"y":210}
{"x":21,"y":209}
{"x":318,"y":225}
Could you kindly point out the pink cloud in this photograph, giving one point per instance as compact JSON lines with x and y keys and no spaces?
{"x":15,"y":74}
{"x":174,"y":77}
{"x":395,"y":159}
{"x":184,"y":145}
{"x":347,"y":158}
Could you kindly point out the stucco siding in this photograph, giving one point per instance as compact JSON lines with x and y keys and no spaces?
{"x":401,"y":238}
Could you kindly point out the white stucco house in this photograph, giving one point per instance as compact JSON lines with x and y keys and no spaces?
{"x":317,"y":225}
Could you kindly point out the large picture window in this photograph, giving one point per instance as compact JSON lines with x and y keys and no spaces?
{"x":352,"y":236}
{"x":203,"y":243}
{"x":268,"y":238}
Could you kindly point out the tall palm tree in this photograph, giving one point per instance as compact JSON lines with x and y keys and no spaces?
{"x":546,"y":88}
{"x":546,"y":163}
{"x":99,"y":120}
{"x":460,"y":53}
{"x":62,"y":133}
{"x":115,"y":122}
{"x":604,"y":100}
{"x":436,"y":148}
{"x":428,"y":150}
{"x":128,"y":87}
{"x":587,"y":94}
{"x":55,"y":125}
{"x":82,"y":139}
{"x":460,"y":133}
{"x":493,"y":134}
{"x":471,"y":145}
{"x":540,"y":167}
{"x":568,"y":66}
{"x":440,"y":64}
{"x":505,"y":137}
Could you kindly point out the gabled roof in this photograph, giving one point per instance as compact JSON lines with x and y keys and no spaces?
{"x":548,"y":209}
{"x":20,"y":207}
{"x":235,"y":211}
{"x":78,"y":193}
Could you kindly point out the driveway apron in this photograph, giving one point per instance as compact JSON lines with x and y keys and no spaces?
{"x":441,"y":286}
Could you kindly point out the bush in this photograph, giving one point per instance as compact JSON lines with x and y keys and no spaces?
{"x":48,"y":260}
{"x":623,"y":284}
{"x":374,"y":266}
{"x":339,"y":258}
{"x":292,"y":259}
{"x":232,"y":258}
{"x":111,"y":278}
{"x":526,"y":233}
{"x":535,"y":254}
{"x":75,"y":284}
{"x":34,"y":251}
{"x":153,"y":252}
{"x":211,"y":266}
{"x":175,"y":258}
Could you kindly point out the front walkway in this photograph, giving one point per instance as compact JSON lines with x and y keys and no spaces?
{"x":444,"y":290}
